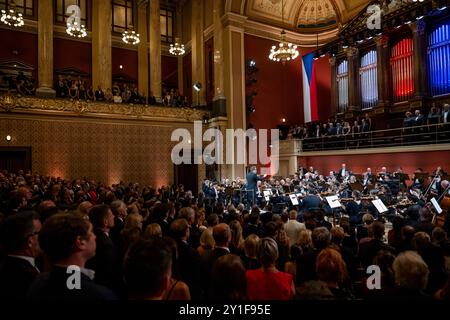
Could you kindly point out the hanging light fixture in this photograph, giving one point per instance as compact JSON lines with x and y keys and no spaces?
{"x":11,"y":17}
{"x":74,"y":26}
{"x":130,"y":36}
{"x":285,"y":51}
{"x":177,"y":49}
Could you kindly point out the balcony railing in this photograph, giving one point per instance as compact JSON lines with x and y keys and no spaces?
{"x":408,"y":136}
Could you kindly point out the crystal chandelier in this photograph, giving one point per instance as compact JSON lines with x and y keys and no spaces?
{"x":286,"y":51}
{"x":75,"y":30}
{"x":12,"y":18}
{"x":131,"y":37}
{"x":177,"y":49}
{"x":74,"y":26}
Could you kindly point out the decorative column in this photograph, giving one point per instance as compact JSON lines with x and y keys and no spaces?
{"x":179,"y":18}
{"x":101,"y":44}
{"x":234,"y":80}
{"x":219,"y":100}
{"x":353,"y":79}
{"x":382,"y":43}
{"x":198,"y":52}
{"x":155,"y":50}
{"x":142,"y":49}
{"x":420,"y":58}
{"x":334,"y":102}
{"x":45,"y":49}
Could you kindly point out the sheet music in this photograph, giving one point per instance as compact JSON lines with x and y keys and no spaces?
{"x":379,"y":205}
{"x":333,"y":201}
{"x":294,"y":199}
{"x":436,"y":205}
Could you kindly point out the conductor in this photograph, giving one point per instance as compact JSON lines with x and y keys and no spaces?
{"x":252,"y":181}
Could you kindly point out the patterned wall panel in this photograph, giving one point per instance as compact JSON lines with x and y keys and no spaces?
{"x":105,"y":151}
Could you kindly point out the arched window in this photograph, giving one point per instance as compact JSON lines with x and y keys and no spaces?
{"x":26,"y":7}
{"x":402,"y":72}
{"x":123,"y":16}
{"x":438,"y":59}
{"x":368,"y":79}
{"x":61,"y":7}
{"x":342,"y":81}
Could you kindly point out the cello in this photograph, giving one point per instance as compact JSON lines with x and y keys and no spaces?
{"x":444,"y":202}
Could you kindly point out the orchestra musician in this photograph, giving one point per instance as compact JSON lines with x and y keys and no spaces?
{"x":367,"y":177}
{"x":343,"y":172}
{"x":383,"y":174}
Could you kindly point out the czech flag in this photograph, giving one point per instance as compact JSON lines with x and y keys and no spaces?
{"x":310,"y":107}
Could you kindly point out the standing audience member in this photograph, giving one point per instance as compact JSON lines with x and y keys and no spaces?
{"x":19,"y":236}
{"x":267,"y":283}
{"x":68,"y":241}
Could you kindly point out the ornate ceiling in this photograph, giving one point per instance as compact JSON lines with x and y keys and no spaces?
{"x":304,"y":15}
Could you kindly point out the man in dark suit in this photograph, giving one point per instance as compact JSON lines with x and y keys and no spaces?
{"x":105,"y":263}
{"x":222,"y":238}
{"x":252,"y":184}
{"x":188,"y":257}
{"x":353,"y":208}
{"x":19,"y":235}
{"x":342,"y":172}
{"x":119,"y":210}
{"x":369,"y":249}
{"x":309,"y":202}
{"x":68,"y":241}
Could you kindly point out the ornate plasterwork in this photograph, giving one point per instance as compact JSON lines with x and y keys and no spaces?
{"x":10,"y":103}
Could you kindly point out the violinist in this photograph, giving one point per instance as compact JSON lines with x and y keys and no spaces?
{"x":367,"y":177}
{"x":354,"y":207}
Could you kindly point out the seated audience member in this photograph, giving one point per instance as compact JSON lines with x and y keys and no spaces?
{"x":369,"y":249}
{"x":267,"y":283}
{"x":331,"y":269}
{"x":206,"y":241}
{"x":99,"y":94}
{"x":145,"y":279}
{"x":19,"y":236}
{"x":117,"y":98}
{"x":68,"y":241}
{"x":228,"y":280}
{"x":411,"y":276}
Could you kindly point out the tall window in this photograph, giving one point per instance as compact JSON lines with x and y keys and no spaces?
{"x":61,"y":7}
{"x":25,"y":7}
{"x":438,"y":59}
{"x":402,"y":72}
{"x":342,"y":81}
{"x":122,"y":15}
{"x":166,"y":18}
{"x":368,"y":79}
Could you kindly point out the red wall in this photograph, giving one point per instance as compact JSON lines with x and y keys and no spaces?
{"x":128,"y":59}
{"x":280,"y":91}
{"x":279,"y":87}
{"x":72,"y":54}
{"x":409,"y":161}
{"x":169,"y":71}
{"x":22,"y":46}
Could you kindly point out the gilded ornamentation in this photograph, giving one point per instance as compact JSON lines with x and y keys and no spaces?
{"x":10,"y":102}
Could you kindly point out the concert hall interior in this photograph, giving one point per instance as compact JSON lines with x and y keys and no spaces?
{"x":212,"y":150}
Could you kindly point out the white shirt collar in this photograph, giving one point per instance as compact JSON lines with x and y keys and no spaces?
{"x":88,"y":273}
{"x":26,"y":258}
{"x":224,"y":248}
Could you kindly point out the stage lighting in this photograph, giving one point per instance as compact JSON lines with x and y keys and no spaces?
{"x":197,"y":87}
